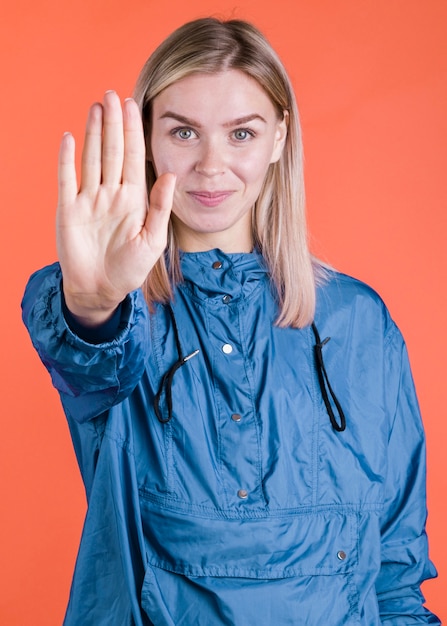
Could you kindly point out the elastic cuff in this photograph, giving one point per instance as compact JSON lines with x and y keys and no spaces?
{"x":99,"y":334}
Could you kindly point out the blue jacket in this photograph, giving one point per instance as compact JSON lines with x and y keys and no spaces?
{"x":247,"y":507}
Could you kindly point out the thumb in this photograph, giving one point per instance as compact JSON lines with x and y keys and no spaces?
{"x":160,"y":204}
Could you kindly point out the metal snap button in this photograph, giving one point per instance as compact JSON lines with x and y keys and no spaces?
{"x":236,"y":417}
{"x":226,"y":299}
{"x":341,"y":555}
{"x":227,"y":348}
{"x":217,"y":265}
{"x":243,"y":494}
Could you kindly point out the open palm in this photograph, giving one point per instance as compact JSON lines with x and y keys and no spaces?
{"x":108,"y":237}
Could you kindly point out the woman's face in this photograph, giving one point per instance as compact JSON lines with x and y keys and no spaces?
{"x":218,"y":133}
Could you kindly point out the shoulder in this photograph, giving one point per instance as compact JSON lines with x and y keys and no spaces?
{"x":339,"y":287}
{"x":350,"y":304}
{"x":340,"y":290}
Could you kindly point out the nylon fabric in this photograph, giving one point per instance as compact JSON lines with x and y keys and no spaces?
{"x":273,"y":518}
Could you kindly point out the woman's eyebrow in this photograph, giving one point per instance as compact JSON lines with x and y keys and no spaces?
{"x":190,"y":122}
{"x":245,"y":120}
{"x":180,"y":118}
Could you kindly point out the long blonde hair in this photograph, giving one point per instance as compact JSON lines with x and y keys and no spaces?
{"x":209,"y":45}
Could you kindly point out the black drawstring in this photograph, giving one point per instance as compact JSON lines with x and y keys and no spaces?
{"x":325,"y":384}
{"x":166,"y":381}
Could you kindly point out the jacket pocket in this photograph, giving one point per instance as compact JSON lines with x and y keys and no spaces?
{"x":175,"y":600}
{"x":297,"y":566}
{"x":202,"y":541}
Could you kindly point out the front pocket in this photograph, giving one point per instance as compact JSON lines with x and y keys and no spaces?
{"x":174,"y":600}
{"x":209,"y":567}
{"x":200,"y":541}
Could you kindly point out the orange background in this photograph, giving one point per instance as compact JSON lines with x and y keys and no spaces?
{"x":370,"y":77}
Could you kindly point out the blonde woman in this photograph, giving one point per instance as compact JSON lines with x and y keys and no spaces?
{"x":240,"y":468}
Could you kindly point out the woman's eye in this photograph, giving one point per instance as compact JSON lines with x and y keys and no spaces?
{"x":184,"y":133}
{"x":241,"y":134}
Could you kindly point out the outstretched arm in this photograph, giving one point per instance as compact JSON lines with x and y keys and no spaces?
{"x":108,"y":238}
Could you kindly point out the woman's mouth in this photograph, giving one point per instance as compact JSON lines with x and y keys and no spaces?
{"x":210,"y":198}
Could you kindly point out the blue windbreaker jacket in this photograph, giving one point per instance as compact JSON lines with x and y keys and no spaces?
{"x":246,"y":508}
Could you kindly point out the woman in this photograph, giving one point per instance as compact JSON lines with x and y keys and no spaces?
{"x":239,"y":469}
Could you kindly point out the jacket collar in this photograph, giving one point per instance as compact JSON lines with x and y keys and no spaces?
{"x":214,"y":274}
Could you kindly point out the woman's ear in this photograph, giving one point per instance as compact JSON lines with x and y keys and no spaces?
{"x":280,"y":137}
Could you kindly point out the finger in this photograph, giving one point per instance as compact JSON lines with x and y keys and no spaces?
{"x":113,"y":140}
{"x":134,"y":166}
{"x":91,"y":153}
{"x":160,"y":205}
{"x":67,"y":183}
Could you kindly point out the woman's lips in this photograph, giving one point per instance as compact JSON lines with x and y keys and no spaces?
{"x":210,"y":198}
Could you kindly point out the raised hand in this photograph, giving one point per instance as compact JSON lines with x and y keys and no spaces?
{"x":108,"y":238}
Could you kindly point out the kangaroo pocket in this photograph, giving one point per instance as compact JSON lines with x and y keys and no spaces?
{"x":171,"y":599}
{"x":211,"y":567}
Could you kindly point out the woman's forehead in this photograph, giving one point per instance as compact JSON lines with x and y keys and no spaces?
{"x":231,"y":91}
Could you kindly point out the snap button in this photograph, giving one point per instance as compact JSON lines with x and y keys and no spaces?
{"x":217,"y":265}
{"x":226,"y":298}
{"x":227,"y":348}
{"x":243,"y":494}
{"x":341,"y":555}
{"x":236,"y":417}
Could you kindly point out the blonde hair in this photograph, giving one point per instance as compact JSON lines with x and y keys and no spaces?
{"x":209,"y":45}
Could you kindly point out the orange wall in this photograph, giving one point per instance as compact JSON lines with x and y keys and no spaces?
{"x":370,"y":76}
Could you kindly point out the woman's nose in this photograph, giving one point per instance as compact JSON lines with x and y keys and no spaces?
{"x":211,"y":159}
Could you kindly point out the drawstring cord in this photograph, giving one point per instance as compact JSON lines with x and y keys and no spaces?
{"x":166,"y":381}
{"x":325,"y":385}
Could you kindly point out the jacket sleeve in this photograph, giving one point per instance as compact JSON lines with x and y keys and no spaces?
{"x":90,"y":377}
{"x":404,"y":549}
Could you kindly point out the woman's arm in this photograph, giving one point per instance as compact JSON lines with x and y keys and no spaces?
{"x":108,"y":240}
{"x":90,"y":377}
{"x":405,"y":561}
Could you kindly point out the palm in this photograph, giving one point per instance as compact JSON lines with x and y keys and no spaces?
{"x":108,"y":238}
